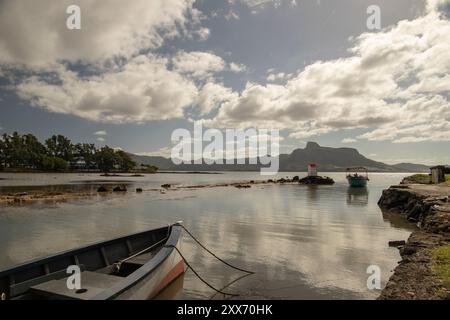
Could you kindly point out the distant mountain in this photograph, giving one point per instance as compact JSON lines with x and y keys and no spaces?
{"x":411,"y":167}
{"x":161,"y":162}
{"x":328,"y":159}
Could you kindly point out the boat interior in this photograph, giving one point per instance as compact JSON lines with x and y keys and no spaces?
{"x":102,"y":265}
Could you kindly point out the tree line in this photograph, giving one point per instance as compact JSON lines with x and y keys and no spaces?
{"x":58,"y":153}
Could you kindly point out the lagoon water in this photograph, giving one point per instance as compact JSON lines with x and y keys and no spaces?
{"x":303,"y":242}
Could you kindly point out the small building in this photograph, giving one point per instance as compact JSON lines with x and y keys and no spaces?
{"x":312,"y":170}
{"x":438,"y":174}
{"x":77,"y":164}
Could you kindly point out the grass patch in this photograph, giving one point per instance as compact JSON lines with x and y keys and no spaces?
{"x":447,"y":177}
{"x":441,"y":264}
{"x":420,"y":178}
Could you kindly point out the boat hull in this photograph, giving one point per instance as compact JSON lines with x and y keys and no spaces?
{"x":150,"y":286}
{"x":357,"y":182}
{"x":142,"y":275}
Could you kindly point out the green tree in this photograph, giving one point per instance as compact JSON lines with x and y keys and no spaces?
{"x":106,"y":159}
{"x":87,"y":151}
{"x":54,"y":164}
{"x":124,"y":161}
{"x":148,"y":168}
{"x":59,"y":146}
{"x":34,"y":151}
{"x":2,"y":153}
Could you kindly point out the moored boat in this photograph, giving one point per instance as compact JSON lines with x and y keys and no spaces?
{"x":134,"y":267}
{"x":357,"y":177}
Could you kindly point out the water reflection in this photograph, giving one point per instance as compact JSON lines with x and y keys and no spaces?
{"x":303,"y":242}
{"x":357,"y":196}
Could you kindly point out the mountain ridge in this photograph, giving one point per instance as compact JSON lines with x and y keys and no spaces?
{"x":328,"y":159}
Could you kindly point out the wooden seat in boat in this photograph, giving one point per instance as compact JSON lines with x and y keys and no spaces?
{"x":92,"y":283}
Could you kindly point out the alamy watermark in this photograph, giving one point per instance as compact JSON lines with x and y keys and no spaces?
{"x":73,"y":21}
{"x":374,"y":18}
{"x":237,"y":146}
{"x":374,"y":280}
{"x":74,"y":280}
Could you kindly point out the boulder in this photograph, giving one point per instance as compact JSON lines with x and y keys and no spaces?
{"x":397,"y":244}
{"x":139,"y":190}
{"x":166,"y":186}
{"x":121,"y":188}
{"x":242,"y":186}
{"x":102,"y":189}
{"x":317,"y":180}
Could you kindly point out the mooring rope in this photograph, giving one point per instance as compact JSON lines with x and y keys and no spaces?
{"x":198,"y":276}
{"x":211,"y":253}
{"x":118,"y":264}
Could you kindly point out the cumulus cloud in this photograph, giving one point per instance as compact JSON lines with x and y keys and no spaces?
{"x":100,"y":133}
{"x":257,"y":5}
{"x":395,"y":84}
{"x":211,"y":96}
{"x":143,"y":89}
{"x":34,"y":33}
{"x":236,"y":67}
{"x":349,"y":140}
{"x":198,"y":64}
{"x":272,"y":77}
{"x":202,"y":65}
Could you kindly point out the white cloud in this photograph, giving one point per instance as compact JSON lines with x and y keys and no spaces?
{"x":101,"y":139}
{"x":236,"y":67}
{"x":202,"y":65}
{"x":395,"y":84}
{"x":213,"y":95}
{"x":162,"y":152}
{"x":231,"y":15}
{"x":272,"y":77}
{"x":35,"y":33}
{"x":143,"y":89}
{"x":100,"y":133}
{"x":198,"y":64}
{"x":257,"y":5}
{"x":349,"y":140}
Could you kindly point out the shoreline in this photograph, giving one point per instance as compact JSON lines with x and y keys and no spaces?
{"x":425,"y":253}
{"x":28,"y":198}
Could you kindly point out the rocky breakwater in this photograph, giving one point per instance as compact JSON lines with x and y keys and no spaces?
{"x":423,"y":272}
{"x":316,"y":180}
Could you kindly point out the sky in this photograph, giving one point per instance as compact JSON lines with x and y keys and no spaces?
{"x":138,"y":70}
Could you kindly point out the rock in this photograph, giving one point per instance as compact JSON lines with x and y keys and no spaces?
{"x":296,"y":179}
{"x":102,"y":189}
{"x":317,"y":180}
{"x":139,"y":190}
{"x":166,"y":186}
{"x":270,"y":181}
{"x":408,"y":250}
{"x":242,"y":186}
{"x":397,"y":243}
{"x":121,"y":188}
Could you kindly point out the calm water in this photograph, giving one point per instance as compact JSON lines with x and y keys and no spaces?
{"x":302,"y":242}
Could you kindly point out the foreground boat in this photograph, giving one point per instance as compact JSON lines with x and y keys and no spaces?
{"x":357,"y":177}
{"x":134,"y":267}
